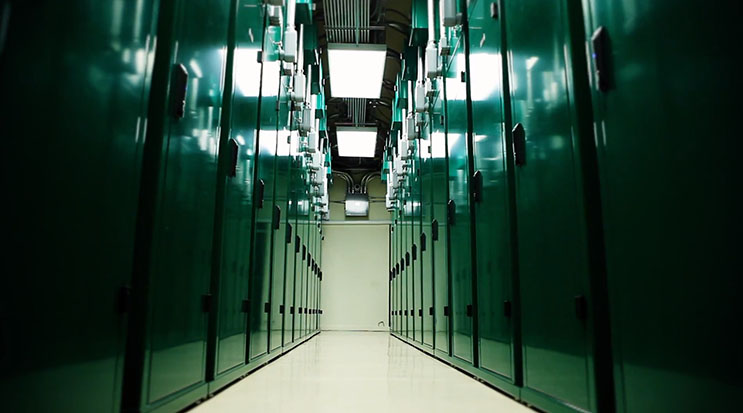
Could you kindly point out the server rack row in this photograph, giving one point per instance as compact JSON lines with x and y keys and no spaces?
{"x":561,"y":224}
{"x":166,"y":175}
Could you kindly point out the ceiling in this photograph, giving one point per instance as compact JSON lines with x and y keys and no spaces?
{"x":363,"y":21}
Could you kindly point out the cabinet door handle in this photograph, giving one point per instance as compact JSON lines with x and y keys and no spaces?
{"x":234,"y":149}
{"x":470,"y":310}
{"x":276,"y":217}
{"x":260,"y":189}
{"x":179,"y":91}
{"x":519,"y":144}
{"x":477,"y":187}
{"x":435,"y":230}
{"x":601,"y":52}
{"x":581,"y":308}
{"x":423,"y":242}
{"x":507,"y":308}
{"x":451,"y":210}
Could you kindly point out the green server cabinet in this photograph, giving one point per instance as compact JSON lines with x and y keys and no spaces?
{"x":458,"y":205}
{"x":301,"y":286}
{"x":166,"y":352}
{"x":425,"y":255}
{"x":415,"y":261}
{"x":493,"y":194}
{"x":553,"y":245}
{"x":668,"y":147}
{"x":265,"y":210}
{"x":293,"y":242}
{"x":74,"y":92}
{"x":234,"y":219}
{"x":439,"y":233}
{"x":282,"y":178}
{"x":392,"y":277}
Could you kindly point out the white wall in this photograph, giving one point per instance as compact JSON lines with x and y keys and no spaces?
{"x":355,"y":279}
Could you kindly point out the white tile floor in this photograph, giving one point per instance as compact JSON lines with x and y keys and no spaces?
{"x":354,"y":372}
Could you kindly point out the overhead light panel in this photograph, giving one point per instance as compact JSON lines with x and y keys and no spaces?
{"x":356,"y":142}
{"x":356,"y":71}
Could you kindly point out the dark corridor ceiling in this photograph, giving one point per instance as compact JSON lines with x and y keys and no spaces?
{"x":387,"y":22}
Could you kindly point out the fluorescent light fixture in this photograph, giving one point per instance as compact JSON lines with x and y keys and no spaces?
{"x":356,"y":71}
{"x":356,"y":142}
{"x":357,"y":205}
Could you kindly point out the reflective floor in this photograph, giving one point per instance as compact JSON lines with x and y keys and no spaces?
{"x":354,"y":372}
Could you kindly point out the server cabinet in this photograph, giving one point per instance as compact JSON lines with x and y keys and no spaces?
{"x":281,"y":207}
{"x":552,"y":237}
{"x":75,"y":80}
{"x":425,"y":255}
{"x":493,"y":191}
{"x":233,"y":222}
{"x":439,"y":231}
{"x":458,"y":205}
{"x":293,"y":242}
{"x":665,"y":93}
{"x":166,"y":357}
{"x":415,"y":261}
{"x":265,"y":210}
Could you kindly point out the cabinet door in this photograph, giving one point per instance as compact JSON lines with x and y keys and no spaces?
{"x":458,"y":204}
{"x":492,"y":186}
{"x":281,"y":206}
{"x":260,"y":283}
{"x":425,"y":253}
{"x":553,"y":262}
{"x":181,"y":253}
{"x":75,"y":81}
{"x":668,"y":150}
{"x":237,"y":199}
{"x":439,"y":233}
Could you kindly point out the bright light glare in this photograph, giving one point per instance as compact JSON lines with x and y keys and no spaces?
{"x":356,"y":71}
{"x":530,"y":62}
{"x":357,"y":142}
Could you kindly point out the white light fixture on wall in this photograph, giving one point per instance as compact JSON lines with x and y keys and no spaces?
{"x":356,"y":142}
{"x":356,"y":71}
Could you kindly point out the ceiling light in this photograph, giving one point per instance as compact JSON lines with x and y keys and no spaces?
{"x":356,"y":142}
{"x":356,"y":71}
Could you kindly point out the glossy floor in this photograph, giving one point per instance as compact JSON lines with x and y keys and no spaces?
{"x":354,"y":372}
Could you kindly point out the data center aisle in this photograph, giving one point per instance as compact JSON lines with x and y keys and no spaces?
{"x":358,"y":372}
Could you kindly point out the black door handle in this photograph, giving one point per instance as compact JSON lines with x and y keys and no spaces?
{"x":281,"y":309}
{"x":600,"y":43}
{"x":470,"y":310}
{"x":435,"y":230}
{"x":267,"y":308}
{"x":446,"y":311}
{"x":180,"y":90}
{"x":288,"y":233}
{"x":451,"y":209}
{"x":423,"y":241}
{"x":246,"y":306}
{"x":414,"y":250}
{"x":420,"y":312}
{"x":581,"y":310}
{"x":519,"y":144}
{"x":206,"y":303}
{"x":430,"y":310}
{"x":297,"y":241}
{"x":477,"y":187}
{"x":507,"y":308}
{"x":407,"y":259}
{"x":276,"y":217}
{"x":260,"y":189}
{"x":234,"y":149}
